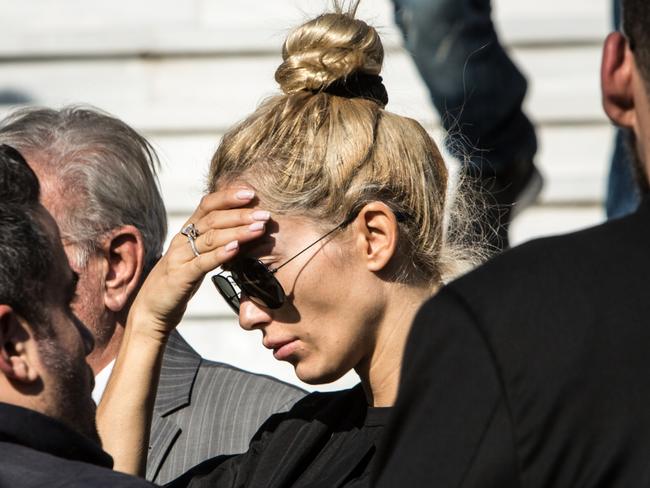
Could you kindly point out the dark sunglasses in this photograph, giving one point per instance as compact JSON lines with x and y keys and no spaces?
{"x":258,"y":282}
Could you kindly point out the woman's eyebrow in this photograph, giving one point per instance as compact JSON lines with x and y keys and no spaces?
{"x":259,"y":247}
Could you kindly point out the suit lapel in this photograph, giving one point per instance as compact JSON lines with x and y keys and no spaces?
{"x":179,"y":368}
{"x":165,"y":431}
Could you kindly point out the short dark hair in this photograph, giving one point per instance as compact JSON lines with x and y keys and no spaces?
{"x":25,"y":247}
{"x":636,"y":25}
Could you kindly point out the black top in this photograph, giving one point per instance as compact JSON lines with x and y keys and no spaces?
{"x":533,"y":371}
{"x":326,"y":440}
{"x":38,"y":451}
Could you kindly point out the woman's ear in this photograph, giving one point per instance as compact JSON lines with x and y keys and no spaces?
{"x":617,"y":75}
{"x":17,"y":349}
{"x":378,"y":235}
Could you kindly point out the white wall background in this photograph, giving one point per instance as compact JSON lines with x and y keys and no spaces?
{"x":183,"y":71}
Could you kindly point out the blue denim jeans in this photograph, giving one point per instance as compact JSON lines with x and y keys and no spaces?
{"x":622,"y":194}
{"x":474,"y":85}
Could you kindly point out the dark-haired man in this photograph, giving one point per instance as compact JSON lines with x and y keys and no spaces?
{"x":47,"y":417}
{"x":99,"y":183}
{"x":532,"y":371}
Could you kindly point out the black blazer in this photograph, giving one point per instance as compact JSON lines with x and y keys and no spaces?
{"x":39,"y":452}
{"x":532,"y":371}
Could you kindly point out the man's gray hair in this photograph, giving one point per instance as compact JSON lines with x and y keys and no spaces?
{"x":105,"y":173}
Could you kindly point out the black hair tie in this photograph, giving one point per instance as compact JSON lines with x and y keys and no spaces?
{"x":360,"y":85}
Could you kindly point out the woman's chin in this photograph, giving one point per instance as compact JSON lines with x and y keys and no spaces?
{"x":316,"y":376}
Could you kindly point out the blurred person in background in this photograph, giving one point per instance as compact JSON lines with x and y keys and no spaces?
{"x":99,"y":182}
{"x":478,"y":92}
{"x":532,"y":370}
{"x":326,"y":214}
{"x":48,"y":435}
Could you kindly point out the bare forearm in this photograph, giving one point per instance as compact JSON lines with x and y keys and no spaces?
{"x":124,"y":416}
{"x":125,"y":411}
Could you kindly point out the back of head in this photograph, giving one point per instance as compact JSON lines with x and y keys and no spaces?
{"x":25,"y":248}
{"x":636,"y":25}
{"x":104,"y":173}
{"x":326,"y":146}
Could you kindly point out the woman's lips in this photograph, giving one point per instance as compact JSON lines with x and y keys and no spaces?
{"x":282,"y":350}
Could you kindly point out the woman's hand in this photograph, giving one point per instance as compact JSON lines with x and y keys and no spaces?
{"x":125,"y":412}
{"x":222,"y":225}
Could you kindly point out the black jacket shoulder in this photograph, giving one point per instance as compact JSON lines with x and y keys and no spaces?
{"x":23,"y":467}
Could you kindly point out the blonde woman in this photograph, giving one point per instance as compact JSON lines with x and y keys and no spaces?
{"x":325,"y":214}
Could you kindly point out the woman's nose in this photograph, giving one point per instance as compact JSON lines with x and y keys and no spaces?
{"x":251,"y":315}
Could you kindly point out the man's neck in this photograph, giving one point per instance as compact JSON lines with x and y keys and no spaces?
{"x":102,"y":355}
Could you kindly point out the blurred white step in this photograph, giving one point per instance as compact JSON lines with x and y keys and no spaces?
{"x":183,"y":72}
{"x":188,"y":116}
{"x":574,"y":161}
{"x":210,"y":94}
{"x":160,"y":27}
{"x":542,"y":221}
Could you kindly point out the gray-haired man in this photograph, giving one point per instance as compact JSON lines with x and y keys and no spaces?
{"x":98,"y":180}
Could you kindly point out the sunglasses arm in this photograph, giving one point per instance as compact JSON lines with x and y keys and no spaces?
{"x":338,"y":227}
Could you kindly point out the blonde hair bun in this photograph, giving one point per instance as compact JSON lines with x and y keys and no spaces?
{"x":327,"y":49}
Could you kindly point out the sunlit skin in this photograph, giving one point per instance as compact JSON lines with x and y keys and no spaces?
{"x":88,"y":302}
{"x":340,"y":315}
{"x":327,"y":326}
{"x":109,"y":279}
{"x":66,"y":378}
{"x":344,"y":310}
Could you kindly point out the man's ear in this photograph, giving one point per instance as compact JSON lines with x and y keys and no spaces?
{"x":616,"y":75}
{"x":378,"y":234}
{"x":16,"y":348}
{"x":123,"y":251}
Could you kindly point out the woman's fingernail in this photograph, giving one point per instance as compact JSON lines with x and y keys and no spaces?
{"x":231,"y":246}
{"x":256,"y":226}
{"x":245,"y":194}
{"x":261,"y":215}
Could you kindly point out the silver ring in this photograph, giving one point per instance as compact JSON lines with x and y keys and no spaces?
{"x":191,"y":232}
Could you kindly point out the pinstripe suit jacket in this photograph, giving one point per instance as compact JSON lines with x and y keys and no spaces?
{"x":204,"y":409}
